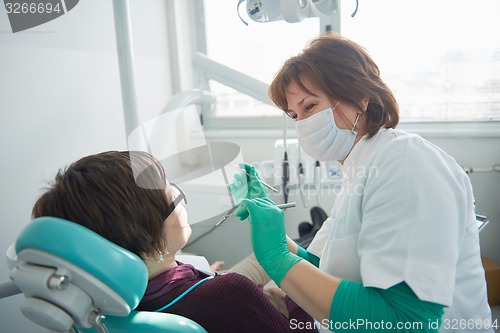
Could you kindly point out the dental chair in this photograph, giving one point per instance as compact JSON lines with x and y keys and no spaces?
{"x":307,"y":230}
{"x":74,"y":280}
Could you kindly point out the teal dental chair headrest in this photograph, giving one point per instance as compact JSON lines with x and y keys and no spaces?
{"x":74,"y":280}
{"x":94,"y":254}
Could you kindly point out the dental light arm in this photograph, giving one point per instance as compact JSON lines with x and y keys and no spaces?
{"x":209,"y":69}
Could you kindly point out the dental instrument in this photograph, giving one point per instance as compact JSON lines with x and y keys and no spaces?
{"x":274,"y":189}
{"x":287,"y":205}
{"x":225,"y":216}
{"x":286,"y":167}
{"x":317,"y":179}
{"x":301,"y":179}
{"x":230,"y":212}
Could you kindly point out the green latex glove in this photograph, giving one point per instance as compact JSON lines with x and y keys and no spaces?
{"x":247,"y":187}
{"x":267,"y":227}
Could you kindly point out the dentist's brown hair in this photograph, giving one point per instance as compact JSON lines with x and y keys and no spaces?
{"x":346,"y":72}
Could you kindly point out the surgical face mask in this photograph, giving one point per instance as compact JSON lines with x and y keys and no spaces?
{"x":322,"y":139}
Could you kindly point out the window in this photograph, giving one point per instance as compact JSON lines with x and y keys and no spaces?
{"x":440,"y":58}
{"x":257,"y":50}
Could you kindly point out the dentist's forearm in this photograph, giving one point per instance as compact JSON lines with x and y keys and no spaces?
{"x":311,"y":289}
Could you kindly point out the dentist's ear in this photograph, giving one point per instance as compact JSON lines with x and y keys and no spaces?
{"x":364,"y":103}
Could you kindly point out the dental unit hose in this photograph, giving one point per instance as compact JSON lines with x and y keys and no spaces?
{"x":317,"y":179}
{"x":301,"y":179}
{"x":286,"y":167}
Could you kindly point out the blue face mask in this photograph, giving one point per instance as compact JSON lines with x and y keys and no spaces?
{"x":322,"y":139}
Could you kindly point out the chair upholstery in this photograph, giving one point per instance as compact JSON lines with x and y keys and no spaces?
{"x":73,"y":277}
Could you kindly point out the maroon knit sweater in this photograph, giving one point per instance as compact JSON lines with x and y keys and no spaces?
{"x":227,"y":303}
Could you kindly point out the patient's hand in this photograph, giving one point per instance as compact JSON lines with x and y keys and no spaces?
{"x":216,"y":266}
{"x":276,"y":291}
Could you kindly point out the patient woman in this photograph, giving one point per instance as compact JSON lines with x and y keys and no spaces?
{"x":126,"y":198}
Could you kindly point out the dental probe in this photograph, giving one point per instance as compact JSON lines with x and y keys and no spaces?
{"x":274,"y":189}
{"x":231,"y":211}
{"x":286,"y":205}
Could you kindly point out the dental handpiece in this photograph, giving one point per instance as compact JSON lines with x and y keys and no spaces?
{"x":231,"y":211}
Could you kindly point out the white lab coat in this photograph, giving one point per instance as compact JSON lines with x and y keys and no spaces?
{"x":406,"y":213}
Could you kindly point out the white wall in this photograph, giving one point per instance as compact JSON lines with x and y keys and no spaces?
{"x":60,"y":99}
{"x":480,"y":152}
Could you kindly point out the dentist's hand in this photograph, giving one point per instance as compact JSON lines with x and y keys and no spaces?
{"x":267,"y":227}
{"x":247,"y":187}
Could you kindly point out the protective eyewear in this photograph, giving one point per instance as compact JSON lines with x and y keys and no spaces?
{"x":181,"y":197}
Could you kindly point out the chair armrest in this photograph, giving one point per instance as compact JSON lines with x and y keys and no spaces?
{"x":148,"y":322}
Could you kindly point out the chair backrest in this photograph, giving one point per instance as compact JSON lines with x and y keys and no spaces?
{"x":75,"y":279}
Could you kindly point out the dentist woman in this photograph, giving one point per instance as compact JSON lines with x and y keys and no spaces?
{"x":400,"y":251}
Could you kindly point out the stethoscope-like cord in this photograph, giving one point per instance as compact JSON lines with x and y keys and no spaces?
{"x":184,"y":293}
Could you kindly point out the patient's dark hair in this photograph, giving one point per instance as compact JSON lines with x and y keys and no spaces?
{"x":119,"y":195}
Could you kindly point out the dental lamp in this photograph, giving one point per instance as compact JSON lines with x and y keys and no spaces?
{"x":289,"y":10}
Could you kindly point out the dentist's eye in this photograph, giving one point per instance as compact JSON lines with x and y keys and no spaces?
{"x":310,"y":107}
